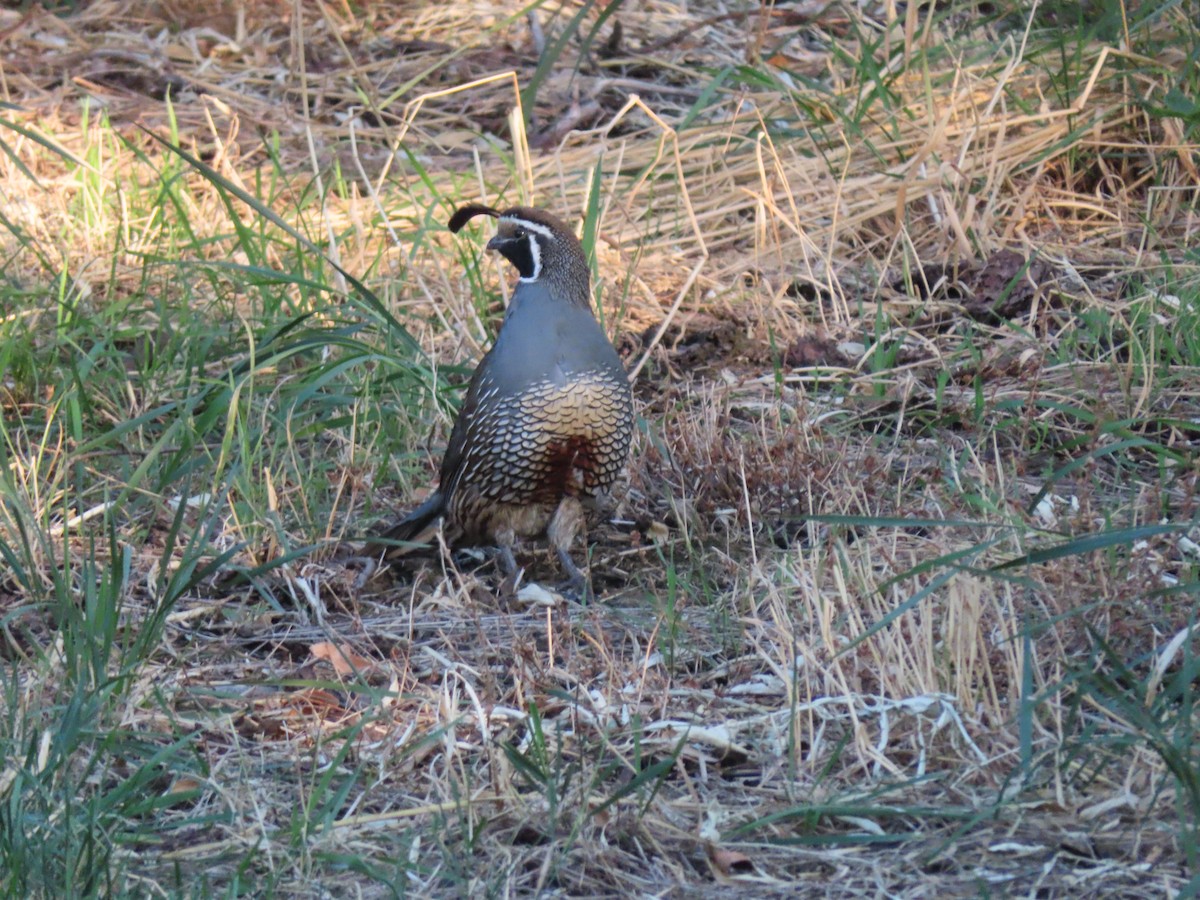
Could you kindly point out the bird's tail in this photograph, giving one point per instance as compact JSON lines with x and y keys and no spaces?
{"x":414,"y":529}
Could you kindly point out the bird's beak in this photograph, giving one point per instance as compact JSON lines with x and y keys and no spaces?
{"x":495,"y":243}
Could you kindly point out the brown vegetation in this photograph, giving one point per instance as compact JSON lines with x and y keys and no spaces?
{"x":848,"y":331}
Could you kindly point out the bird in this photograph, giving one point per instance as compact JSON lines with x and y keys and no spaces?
{"x":546,"y":424}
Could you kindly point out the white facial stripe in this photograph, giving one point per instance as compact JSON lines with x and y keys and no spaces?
{"x":536,"y":227}
{"x":535,"y":251}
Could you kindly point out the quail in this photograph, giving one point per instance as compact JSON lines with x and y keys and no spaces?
{"x":546,"y":423}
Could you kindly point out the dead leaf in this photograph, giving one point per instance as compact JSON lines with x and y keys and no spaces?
{"x":185,"y":784}
{"x":658,"y":532}
{"x":730,"y":862}
{"x":344,"y":660}
{"x":536,"y":595}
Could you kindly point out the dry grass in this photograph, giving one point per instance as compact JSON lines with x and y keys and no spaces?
{"x":800,"y":678}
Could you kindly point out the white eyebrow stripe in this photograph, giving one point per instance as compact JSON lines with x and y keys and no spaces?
{"x":536,"y":227}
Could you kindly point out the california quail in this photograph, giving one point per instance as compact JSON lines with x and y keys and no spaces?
{"x":546,"y":423}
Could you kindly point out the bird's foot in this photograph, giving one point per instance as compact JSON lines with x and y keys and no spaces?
{"x":510,"y":584}
{"x":577,"y":587}
{"x":513,"y":574}
{"x":576,"y":591}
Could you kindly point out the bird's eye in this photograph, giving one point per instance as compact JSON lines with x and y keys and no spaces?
{"x":518,"y":233}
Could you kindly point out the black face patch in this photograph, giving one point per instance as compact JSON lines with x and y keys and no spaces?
{"x":519,"y":250}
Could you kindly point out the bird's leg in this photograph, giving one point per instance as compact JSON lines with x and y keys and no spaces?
{"x":505,"y":539}
{"x":577,"y":582}
{"x":508,"y":562}
{"x":564,"y":525}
